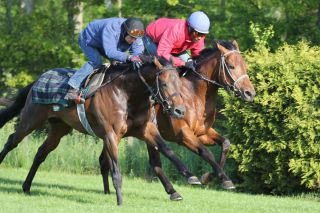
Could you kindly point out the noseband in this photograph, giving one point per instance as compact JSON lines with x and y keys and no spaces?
{"x":226,"y":71}
{"x":156,"y":94}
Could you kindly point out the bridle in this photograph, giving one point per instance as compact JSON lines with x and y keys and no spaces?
{"x":225,"y":70}
{"x":156,"y":93}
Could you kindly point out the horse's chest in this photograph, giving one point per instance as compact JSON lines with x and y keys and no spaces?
{"x":199,"y":129}
{"x":196,"y":121}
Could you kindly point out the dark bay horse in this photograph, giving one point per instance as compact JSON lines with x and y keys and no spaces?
{"x":119,"y":109}
{"x":218,"y":67}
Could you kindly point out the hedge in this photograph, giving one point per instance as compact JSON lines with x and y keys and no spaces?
{"x":276,"y":139}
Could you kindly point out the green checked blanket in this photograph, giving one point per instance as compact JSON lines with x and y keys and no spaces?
{"x":52,"y":87}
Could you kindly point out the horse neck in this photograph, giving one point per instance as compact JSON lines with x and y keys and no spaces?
{"x":210,"y":70}
{"x":133,"y":84}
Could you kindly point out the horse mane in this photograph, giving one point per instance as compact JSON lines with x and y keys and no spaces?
{"x":124,"y":71}
{"x":207,"y":52}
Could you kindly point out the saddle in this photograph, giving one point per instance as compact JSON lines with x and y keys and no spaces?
{"x":94,"y":81}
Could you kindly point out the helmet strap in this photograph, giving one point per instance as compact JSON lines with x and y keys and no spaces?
{"x":190,"y":29}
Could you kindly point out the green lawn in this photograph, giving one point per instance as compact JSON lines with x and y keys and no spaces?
{"x":62,"y":192}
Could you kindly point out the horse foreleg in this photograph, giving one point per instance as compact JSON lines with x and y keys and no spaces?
{"x":190,"y":141}
{"x":155,"y":162}
{"x":213,"y":137}
{"x":111,"y":150}
{"x":104,"y":160}
{"x":57,"y":129}
{"x":153,"y":137}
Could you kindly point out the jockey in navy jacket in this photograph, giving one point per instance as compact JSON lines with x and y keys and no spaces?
{"x":107,"y":35}
{"x":117,"y":39}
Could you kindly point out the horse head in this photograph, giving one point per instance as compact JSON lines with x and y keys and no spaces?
{"x":223,"y":66}
{"x":166,"y":89}
{"x":232,"y":72}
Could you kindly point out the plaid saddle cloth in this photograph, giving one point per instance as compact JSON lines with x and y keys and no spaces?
{"x":52,"y":87}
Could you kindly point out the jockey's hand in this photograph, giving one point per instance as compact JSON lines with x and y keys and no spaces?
{"x":136,"y":61}
{"x":190,"y":65}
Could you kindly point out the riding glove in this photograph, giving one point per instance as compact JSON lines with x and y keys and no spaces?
{"x":190,"y":65}
{"x":136,"y":61}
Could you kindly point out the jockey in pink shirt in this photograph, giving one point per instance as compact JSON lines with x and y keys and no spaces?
{"x":170,"y":38}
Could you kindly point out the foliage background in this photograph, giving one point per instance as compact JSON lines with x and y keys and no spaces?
{"x":275,"y":140}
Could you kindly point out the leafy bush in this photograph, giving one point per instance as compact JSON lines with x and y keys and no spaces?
{"x":276,"y":139}
{"x":35,"y":43}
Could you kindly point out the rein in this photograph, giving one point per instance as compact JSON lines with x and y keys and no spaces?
{"x":156,"y":96}
{"x":164,"y":101}
{"x":225,"y":69}
{"x":120,"y":74}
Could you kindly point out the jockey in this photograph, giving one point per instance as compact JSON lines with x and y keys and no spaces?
{"x":117,"y":39}
{"x":170,"y":38}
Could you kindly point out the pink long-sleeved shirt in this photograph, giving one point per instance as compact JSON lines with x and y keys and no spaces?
{"x":172,"y":37}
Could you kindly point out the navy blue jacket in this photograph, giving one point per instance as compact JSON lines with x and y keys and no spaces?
{"x":107,"y":35}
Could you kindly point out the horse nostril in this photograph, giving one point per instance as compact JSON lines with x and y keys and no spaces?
{"x":249,"y":95}
{"x":179,"y":111}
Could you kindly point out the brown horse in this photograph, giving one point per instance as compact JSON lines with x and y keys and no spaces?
{"x":219,"y":67}
{"x":223,"y":67}
{"x":116,"y":110}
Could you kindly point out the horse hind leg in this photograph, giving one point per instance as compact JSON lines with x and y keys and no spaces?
{"x":224,"y":152}
{"x":30,"y":120}
{"x":191,"y":142}
{"x":57,"y":129}
{"x":224,"y":143}
{"x":213,"y":137}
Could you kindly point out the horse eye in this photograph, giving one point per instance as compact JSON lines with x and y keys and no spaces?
{"x":231,"y":67}
{"x":163,"y":84}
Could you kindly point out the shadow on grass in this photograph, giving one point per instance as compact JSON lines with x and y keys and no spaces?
{"x":58,"y":186}
{"x":38,"y":193}
{"x":12,"y":186}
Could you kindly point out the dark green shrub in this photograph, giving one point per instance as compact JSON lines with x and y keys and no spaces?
{"x":276,"y":139}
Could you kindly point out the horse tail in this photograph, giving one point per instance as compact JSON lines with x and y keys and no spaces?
{"x":15,"y":108}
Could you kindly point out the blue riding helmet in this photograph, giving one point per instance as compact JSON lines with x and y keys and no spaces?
{"x":199,"y":21}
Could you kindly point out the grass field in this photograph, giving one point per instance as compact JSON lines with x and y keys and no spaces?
{"x":64,"y":192}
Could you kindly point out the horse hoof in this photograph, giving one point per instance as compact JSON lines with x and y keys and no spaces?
{"x":119,"y":202}
{"x":175,"y":196}
{"x":228,"y":185}
{"x":193,"y":180}
{"x":205,"y":179}
{"x":26,"y":190}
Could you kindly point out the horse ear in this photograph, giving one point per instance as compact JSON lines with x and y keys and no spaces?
{"x":222,"y":49}
{"x":235,"y":43}
{"x":157,"y":63}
